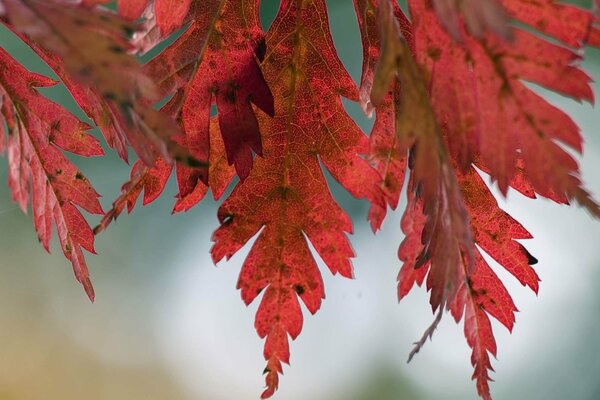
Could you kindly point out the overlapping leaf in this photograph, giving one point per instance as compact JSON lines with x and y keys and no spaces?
{"x":92,"y":46}
{"x":215,"y":59}
{"x":446,"y":236}
{"x":169,"y":14}
{"x":285,"y":198}
{"x":37,"y":131}
{"x":152,"y":181}
{"x":499,"y":118}
{"x":388,"y":153}
{"x":449,"y":90}
{"x":100,"y":112}
{"x":457,"y":275}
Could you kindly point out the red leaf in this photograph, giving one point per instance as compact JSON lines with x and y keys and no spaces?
{"x":90,"y":101}
{"x":143,"y":178}
{"x":445,"y":235}
{"x":479,"y":16}
{"x":499,"y":117}
{"x":387,"y":152}
{"x":92,"y":44}
{"x":216,"y":58}
{"x":479,"y":291}
{"x":285,"y":198}
{"x":170,"y":14}
{"x":37,"y":128}
{"x":220,"y":174}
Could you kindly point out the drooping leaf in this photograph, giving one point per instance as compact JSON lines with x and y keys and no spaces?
{"x":93,"y":45}
{"x":150,"y":180}
{"x":446,"y":235}
{"x":285,"y":198}
{"x":499,"y":118}
{"x":169,"y":14}
{"x":449,"y":91}
{"x":215,"y":59}
{"x":388,"y":153}
{"x":38,"y":172}
{"x":438,"y":246}
{"x":479,"y":16}
{"x":90,"y":101}
{"x":480,"y":293}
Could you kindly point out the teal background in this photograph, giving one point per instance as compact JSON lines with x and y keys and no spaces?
{"x":167,"y":324}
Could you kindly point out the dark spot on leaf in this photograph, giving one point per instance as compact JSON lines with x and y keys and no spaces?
{"x":434,"y":53}
{"x":531,"y":260}
{"x":115,"y":49}
{"x":227,"y":219}
{"x":125,"y":105}
{"x":299,"y":289}
{"x":192,"y":162}
{"x":79,"y":176}
{"x":128,"y":31}
{"x":266,"y":371}
{"x":469,"y":283}
{"x":422,"y":259}
{"x":230,"y":95}
{"x":261,"y":49}
{"x":109,"y":96}
{"x":85,"y":71}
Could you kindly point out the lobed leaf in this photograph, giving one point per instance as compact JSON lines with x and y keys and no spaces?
{"x":93,"y":45}
{"x":285,"y":199}
{"x":215,"y":59}
{"x":39,"y":173}
{"x":501,"y":120}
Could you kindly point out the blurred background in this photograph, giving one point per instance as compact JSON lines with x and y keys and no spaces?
{"x":168,"y":324}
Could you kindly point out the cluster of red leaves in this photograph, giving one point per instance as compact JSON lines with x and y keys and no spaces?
{"x":447,"y":88}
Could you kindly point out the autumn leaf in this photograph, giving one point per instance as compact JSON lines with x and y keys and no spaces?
{"x":438,"y":246}
{"x":450,"y":88}
{"x":93,"y":44}
{"x":387,"y":152}
{"x":100,"y":112}
{"x":150,"y":180}
{"x":445,"y":236}
{"x":479,"y":16}
{"x":285,"y":198}
{"x":170,"y":14}
{"x":220,"y":174}
{"x":215,"y":59}
{"x":38,"y":172}
{"x":501,"y":119}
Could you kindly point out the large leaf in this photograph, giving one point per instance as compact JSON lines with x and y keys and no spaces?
{"x":285,"y":199}
{"x":499,"y":118}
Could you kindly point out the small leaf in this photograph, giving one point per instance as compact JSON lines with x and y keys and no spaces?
{"x":39,"y":173}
